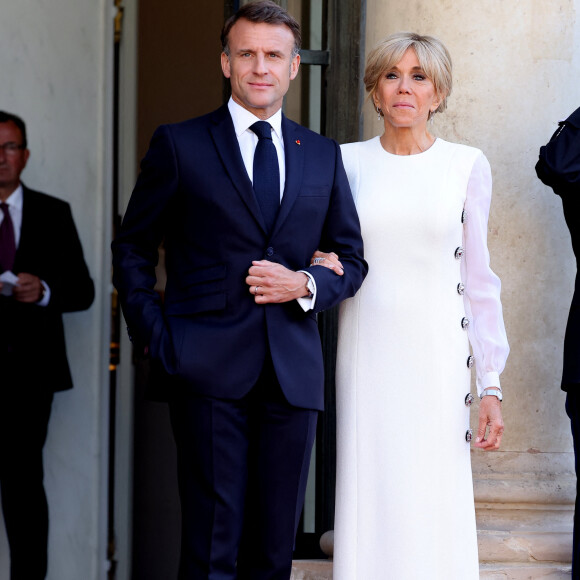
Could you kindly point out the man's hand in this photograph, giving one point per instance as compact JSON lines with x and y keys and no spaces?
{"x":29,"y":288}
{"x":272,"y":283}
{"x":489,"y":417}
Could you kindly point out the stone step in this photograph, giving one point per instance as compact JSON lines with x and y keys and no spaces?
{"x":322,"y":570}
{"x":311,"y":570}
{"x":503,"y":571}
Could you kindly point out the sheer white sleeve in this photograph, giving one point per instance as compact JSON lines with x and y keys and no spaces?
{"x":486,"y":330}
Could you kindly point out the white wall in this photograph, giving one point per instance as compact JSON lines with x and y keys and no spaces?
{"x":55,"y":60}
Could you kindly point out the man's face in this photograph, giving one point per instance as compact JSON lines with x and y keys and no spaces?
{"x":260,"y":65}
{"x":12,"y":163}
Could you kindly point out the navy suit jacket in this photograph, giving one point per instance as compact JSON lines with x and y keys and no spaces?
{"x":559,"y":167}
{"x":571,"y":368}
{"x":32,"y":337}
{"x":194,"y":194}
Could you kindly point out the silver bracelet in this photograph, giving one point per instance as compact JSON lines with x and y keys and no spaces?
{"x":495,"y":391}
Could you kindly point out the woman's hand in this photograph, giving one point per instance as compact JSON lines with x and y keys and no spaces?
{"x":330,"y":261}
{"x":489,"y":418}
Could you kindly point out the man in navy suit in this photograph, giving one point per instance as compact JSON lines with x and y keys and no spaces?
{"x":39,"y":245}
{"x":236,"y":334}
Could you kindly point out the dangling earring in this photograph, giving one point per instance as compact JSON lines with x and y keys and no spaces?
{"x":431,"y":115}
{"x":378,"y":114}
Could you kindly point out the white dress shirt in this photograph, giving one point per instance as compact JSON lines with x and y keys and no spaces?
{"x":248,"y":140}
{"x":14,"y":203}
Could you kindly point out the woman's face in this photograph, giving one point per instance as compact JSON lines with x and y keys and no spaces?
{"x":405,"y":94}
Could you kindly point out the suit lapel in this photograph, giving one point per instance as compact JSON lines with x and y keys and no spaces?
{"x":226,"y":143}
{"x":294,"y":158}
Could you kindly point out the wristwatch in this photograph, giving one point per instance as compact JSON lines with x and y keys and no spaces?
{"x":492,"y":391}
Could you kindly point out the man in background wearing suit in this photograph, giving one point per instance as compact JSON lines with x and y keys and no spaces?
{"x":559,"y":167}
{"x":241,"y":205}
{"x":39,"y":245}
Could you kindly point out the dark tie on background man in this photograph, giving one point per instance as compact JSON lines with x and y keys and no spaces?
{"x":7,"y":242}
{"x":266,"y":173}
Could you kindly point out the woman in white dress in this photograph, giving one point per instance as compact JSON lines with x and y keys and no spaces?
{"x":404,"y":501}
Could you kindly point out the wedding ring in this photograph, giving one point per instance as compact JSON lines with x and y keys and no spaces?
{"x":255,"y":290}
{"x":318,"y":260}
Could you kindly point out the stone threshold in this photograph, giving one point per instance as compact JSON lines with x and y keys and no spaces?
{"x":311,"y":570}
{"x":505,"y":571}
{"x":322,"y":570}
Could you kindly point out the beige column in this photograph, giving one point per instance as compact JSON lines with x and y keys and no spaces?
{"x":516,"y":67}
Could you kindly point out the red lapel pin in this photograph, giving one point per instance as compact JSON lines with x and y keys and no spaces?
{"x":297,"y":141}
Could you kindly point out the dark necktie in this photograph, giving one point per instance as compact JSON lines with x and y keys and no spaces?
{"x":7,"y":242}
{"x":266,"y":173}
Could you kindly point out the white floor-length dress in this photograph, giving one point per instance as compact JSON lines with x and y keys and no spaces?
{"x":404,"y":505}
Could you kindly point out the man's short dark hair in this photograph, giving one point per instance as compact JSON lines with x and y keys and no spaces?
{"x":8,"y":117}
{"x":267,"y":12}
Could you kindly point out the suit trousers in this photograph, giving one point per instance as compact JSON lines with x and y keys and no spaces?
{"x":24,"y":416}
{"x":573,"y":412}
{"x":242,"y":471}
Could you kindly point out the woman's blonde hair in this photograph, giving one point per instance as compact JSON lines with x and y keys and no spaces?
{"x":431,"y":53}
